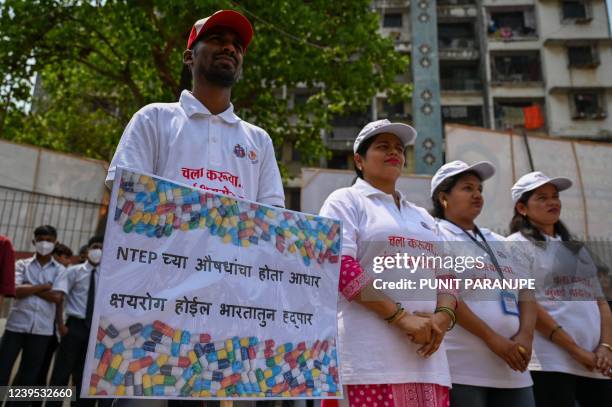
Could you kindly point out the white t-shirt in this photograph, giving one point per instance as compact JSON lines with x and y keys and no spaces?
{"x":556,"y":268}
{"x":371,"y":351}
{"x":184,"y":142}
{"x":470,"y":359}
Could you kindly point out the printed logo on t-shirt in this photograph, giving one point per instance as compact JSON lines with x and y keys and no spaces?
{"x":239,"y":151}
{"x":253,"y":156}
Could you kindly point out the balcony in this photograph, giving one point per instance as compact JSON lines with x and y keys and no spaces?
{"x":386,"y":4}
{"x":467,"y":115}
{"x":460,"y":84}
{"x":450,"y":9}
{"x":457,"y":41}
{"x":522,"y":69}
{"x":519,"y":113}
{"x":345,"y":129}
{"x":458,"y":49}
{"x":460,"y":77}
{"x":512,"y":24}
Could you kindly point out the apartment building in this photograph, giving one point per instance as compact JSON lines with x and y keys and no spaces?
{"x":541,"y":66}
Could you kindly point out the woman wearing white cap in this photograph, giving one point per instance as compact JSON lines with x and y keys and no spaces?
{"x":388,"y":352}
{"x":573,"y":343}
{"x":489,"y":351}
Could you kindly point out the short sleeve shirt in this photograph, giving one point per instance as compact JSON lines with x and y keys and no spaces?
{"x":78,"y":278}
{"x":567,"y":288}
{"x":34,"y":314}
{"x":373,"y":226}
{"x":470,"y":359}
{"x":186,"y":143}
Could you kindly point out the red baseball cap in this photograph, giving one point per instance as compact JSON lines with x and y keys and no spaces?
{"x":226,"y":18}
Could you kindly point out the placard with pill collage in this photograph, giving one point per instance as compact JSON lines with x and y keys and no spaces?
{"x":136,"y":352}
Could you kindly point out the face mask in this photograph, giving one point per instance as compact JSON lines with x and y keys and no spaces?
{"x":94,"y":256}
{"x":44,"y":248}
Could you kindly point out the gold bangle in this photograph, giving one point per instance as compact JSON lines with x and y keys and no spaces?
{"x":397,"y":311}
{"x":606,"y":345}
{"x":398,"y":317}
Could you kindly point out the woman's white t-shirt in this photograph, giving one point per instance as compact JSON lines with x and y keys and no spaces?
{"x":564,"y":281}
{"x":470,"y":359}
{"x":372,"y":351}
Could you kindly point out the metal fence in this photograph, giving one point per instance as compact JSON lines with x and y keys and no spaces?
{"x":22,"y":211}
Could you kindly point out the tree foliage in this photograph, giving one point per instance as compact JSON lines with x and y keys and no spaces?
{"x":101,"y":61}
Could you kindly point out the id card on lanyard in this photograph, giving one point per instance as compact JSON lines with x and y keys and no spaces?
{"x":509,"y":302}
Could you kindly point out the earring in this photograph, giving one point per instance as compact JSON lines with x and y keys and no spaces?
{"x":444,"y":204}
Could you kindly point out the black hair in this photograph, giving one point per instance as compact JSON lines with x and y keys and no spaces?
{"x":45,"y":230}
{"x":520,"y":223}
{"x":446,"y":186}
{"x":62,"y":250}
{"x":362,"y":150}
{"x":94,"y":240}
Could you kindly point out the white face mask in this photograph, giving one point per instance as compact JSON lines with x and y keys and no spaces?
{"x":44,"y":248}
{"x":94,"y":256}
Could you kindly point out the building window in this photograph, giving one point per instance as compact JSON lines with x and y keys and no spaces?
{"x":468,"y":115}
{"x":519,"y":113}
{"x":575,"y":10}
{"x":340,"y":160}
{"x":391,"y":111}
{"x":516,"y":67}
{"x":588,"y":105}
{"x":456,"y":35}
{"x":582,"y":56}
{"x":512,"y":23}
{"x":392,"y":20}
{"x":460,"y":76}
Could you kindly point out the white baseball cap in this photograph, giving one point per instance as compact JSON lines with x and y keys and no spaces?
{"x":405,"y":132}
{"x":483,"y":168}
{"x":536,"y":179}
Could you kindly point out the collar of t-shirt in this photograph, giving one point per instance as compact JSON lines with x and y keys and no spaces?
{"x":555,"y":238}
{"x":456,"y":230}
{"x":89,"y":266}
{"x":193,"y":106}
{"x":365,"y":188}
{"x":50,"y":263}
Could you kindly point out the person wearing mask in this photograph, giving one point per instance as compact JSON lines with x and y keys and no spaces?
{"x":82,"y":282}
{"x":40,"y":285}
{"x":63,"y":255}
{"x":402,"y":367}
{"x":572,"y":360}
{"x":489,"y":351}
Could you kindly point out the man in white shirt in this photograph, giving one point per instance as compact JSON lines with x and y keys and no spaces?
{"x":40,"y":284}
{"x":200,"y":141}
{"x":82,"y":282}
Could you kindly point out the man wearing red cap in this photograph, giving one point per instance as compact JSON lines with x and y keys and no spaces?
{"x":200,"y":141}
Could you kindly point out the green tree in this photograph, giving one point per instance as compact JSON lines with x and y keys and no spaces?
{"x":101,"y":61}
